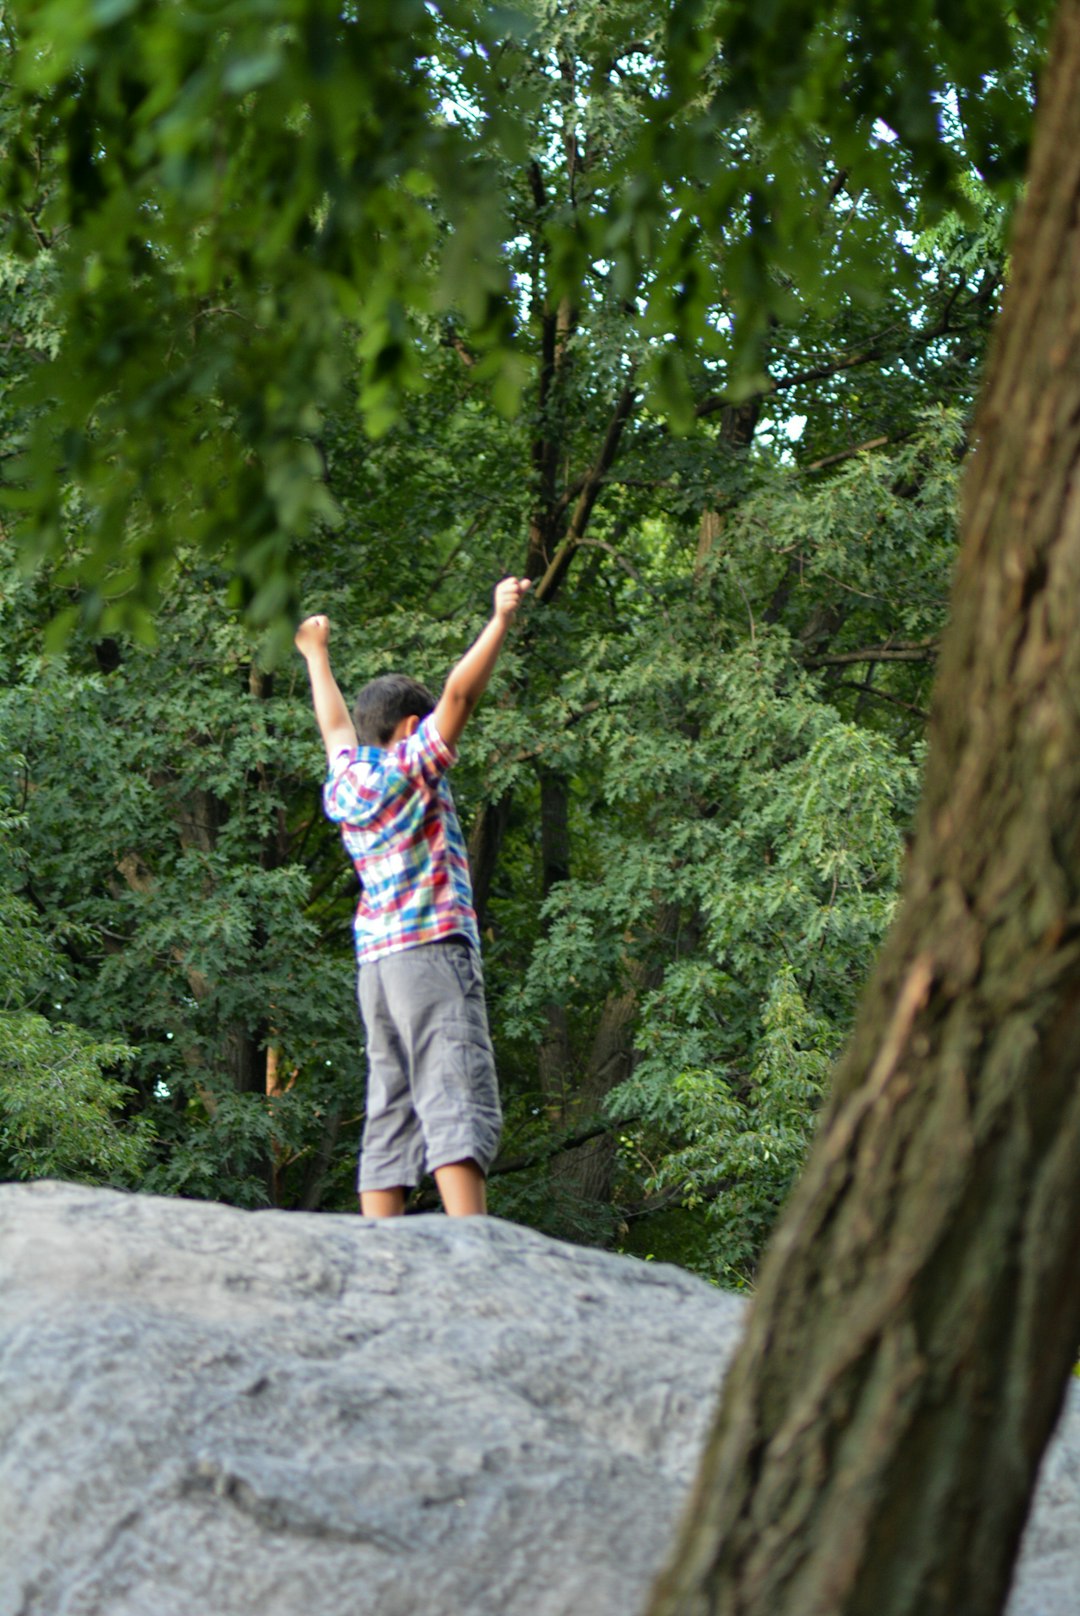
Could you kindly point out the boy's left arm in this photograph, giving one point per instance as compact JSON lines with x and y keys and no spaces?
{"x":312,"y":640}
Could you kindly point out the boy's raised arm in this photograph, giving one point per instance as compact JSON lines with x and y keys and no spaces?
{"x":468,"y":678}
{"x":312,"y":640}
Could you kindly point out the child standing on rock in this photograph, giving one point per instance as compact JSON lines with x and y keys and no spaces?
{"x":432,"y":1094}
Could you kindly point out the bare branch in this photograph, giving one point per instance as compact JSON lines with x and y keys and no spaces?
{"x":590,"y":491}
{"x":856,"y":449}
{"x":558,"y":1147}
{"x":879,"y":347}
{"x":902,"y":651}
{"x":627,"y":566}
{"x":883,"y":695}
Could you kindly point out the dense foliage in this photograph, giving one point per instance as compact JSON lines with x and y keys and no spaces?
{"x":688,"y":790}
{"x":256,"y":209}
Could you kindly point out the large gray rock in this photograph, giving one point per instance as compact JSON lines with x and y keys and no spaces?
{"x":206,"y":1412}
{"x":1047,"y":1579}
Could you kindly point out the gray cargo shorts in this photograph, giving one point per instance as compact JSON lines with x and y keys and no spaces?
{"x":432,"y":1093}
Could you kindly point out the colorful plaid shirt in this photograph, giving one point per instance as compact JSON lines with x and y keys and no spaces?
{"x":401,"y":830}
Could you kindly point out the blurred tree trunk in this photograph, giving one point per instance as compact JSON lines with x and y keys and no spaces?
{"x":918,"y":1311}
{"x":586,"y":1174}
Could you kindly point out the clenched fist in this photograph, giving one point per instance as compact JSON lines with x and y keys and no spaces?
{"x":312,"y":635}
{"x":508,"y":597}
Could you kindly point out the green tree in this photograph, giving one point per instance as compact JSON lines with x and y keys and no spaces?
{"x":239,"y":202}
{"x":62,"y":1098}
{"x":649,"y":820}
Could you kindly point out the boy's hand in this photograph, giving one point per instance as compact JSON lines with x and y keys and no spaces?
{"x":313,"y":634}
{"x":508,"y":597}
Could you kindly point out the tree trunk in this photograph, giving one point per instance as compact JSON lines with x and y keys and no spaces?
{"x":485,"y":845}
{"x":738,"y":423}
{"x":918,"y":1310}
{"x":554,"y":1061}
{"x":587,"y":1173}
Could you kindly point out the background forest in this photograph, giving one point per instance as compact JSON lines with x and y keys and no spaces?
{"x":709,"y":391}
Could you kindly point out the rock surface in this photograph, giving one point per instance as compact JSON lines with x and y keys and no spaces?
{"x":206,"y":1412}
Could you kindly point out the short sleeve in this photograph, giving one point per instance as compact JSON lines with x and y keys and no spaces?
{"x":424,"y":755}
{"x":356,"y":785}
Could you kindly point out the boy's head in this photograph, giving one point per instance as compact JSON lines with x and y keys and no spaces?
{"x":384,"y":703}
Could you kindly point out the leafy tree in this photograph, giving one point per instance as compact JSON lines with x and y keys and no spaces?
{"x":61,"y":1095}
{"x":238,"y":201}
{"x":649,"y":821}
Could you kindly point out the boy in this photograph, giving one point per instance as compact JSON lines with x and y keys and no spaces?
{"x":432,"y":1094}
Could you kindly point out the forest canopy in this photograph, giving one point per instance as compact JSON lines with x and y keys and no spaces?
{"x":678,"y":311}
{"x":251,"y":214}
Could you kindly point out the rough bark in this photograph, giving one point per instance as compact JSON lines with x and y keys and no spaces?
{"x":918,"y":1311}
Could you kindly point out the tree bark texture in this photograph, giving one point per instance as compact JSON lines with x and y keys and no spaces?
{"x":918,"y":1311}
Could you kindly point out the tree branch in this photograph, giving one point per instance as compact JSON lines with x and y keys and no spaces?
{"x":590,"y":491}
{"x":902,"y":651}
{"x":558,"y":1147}
{"x":453,"y":340}
{"x":856,"y":449}
{"x":883,"y":695}
{"x":878,"y":348}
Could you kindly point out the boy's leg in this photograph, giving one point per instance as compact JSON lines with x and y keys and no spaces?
{"x":392,"y":1150}
{"x":463,"y":1189}
{"x":382,"y":1203}
{"x":437,"y":993}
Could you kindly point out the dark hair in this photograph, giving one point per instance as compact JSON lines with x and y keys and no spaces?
{"x":383,"y":703}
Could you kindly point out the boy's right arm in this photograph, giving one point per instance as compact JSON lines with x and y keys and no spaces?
{"x":468,"y":679}
{"x":312,"y":640}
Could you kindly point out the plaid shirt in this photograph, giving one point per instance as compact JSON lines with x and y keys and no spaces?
{"x":400,"y":829}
